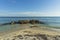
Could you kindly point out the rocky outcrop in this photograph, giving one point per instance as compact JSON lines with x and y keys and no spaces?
{"x":36,"y":22}
{"x":30,"y":21}
{"x":24,"y":22}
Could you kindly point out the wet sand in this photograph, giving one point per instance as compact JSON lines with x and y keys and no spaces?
{"x":25,"y":29}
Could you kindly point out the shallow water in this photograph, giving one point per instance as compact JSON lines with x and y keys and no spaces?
{"x":10,"y":27}
{"x":15,"y":27}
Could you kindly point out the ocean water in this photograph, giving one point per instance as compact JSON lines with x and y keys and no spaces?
{"x":50,"y":21}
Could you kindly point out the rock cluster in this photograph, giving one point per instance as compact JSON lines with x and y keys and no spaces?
{"x":28,"y":21}
{"x":24,"y":22}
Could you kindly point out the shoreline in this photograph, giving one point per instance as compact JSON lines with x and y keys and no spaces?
{"x":27,"y":26}
{"x":32,"y":30}
{"x":22,"y":27}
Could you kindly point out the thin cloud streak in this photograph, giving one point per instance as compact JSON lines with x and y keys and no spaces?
{"x":31,"y":14}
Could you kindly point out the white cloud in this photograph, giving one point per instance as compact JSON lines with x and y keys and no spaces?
{"x":30,"y":14}
{"x":39,"y":13}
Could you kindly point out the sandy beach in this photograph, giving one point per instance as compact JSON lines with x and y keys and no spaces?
{"x":25,"y":29}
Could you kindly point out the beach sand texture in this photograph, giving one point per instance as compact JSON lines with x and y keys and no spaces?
{"x":34,"y":33}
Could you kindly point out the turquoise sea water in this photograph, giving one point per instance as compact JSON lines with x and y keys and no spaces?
{"x":50,"y":21}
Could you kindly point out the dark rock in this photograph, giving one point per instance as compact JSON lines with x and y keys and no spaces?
{"x":24,"y":22}
{"x":36,"y":22}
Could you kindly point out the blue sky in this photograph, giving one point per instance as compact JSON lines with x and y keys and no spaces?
{"x":29,"y":7}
